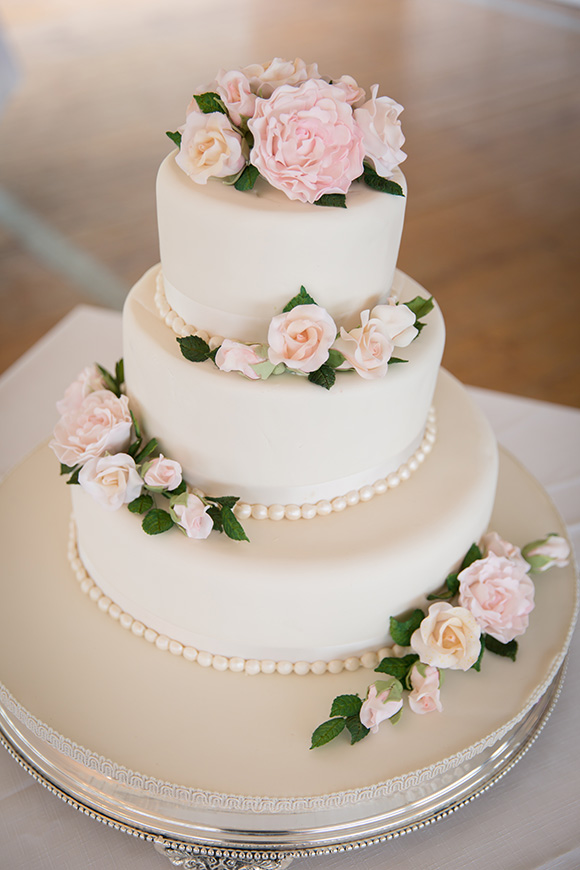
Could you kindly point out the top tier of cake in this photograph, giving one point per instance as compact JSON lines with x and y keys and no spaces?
{"x":231,"y":260}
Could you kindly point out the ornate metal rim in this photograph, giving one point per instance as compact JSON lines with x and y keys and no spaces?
{"x":241,"y":848}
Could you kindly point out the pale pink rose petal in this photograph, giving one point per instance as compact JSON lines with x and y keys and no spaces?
{"x":499,"y":594}
{"x":376,"y":708}
{"x":397,"y":322}
{"x":193,"y":517}
{"x":383,"y":138}
{"x":492,"y":543}
{"x":425,"y":696}
{"x":233,"y":86}
{"x":305,"y":140}
{"x":88,"y":381}
{"x":163,"y":473}
{"x":353,"y":93}
{"x":101,"y":424}
{"x":301,"y":338}
{"x":264,"y":79}
{"x":233,"y":356}
{"x":111,"y":480}
{"x":550,"y":551}
{"x":367,"y":348}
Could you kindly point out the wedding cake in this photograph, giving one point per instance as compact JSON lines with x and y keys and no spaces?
{"x":297,"y":467}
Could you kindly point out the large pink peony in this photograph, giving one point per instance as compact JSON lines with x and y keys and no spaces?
{"x":101,"y":424}
{"x":301,"y":338}
{"x":305,"y":140}
{"x":499,"y":594}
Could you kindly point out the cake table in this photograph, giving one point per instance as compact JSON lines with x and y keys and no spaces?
{"x":31,"y":389}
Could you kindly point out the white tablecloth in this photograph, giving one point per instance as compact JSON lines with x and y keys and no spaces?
{"x":530,"y":820}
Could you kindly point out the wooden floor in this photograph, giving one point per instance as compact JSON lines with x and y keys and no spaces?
{"x":491,"y":93}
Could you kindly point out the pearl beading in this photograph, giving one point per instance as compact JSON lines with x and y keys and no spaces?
{"x":236,"y":664}
{"x":324,"y":507}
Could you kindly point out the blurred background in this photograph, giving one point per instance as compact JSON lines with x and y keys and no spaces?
{"x":491,"y":90}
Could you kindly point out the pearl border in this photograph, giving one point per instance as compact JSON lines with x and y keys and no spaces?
{"x":236,"y":664}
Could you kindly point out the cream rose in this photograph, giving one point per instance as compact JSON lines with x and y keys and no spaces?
{"x":367,"y":348}
{"x":101,"y":424}
{"x":383,"y":701}
{"x":381,"y":132}
{"x":88,"y":381}
{"x":448,"y":637}
{"x":210,"y":147}
{"x":425,"y":696}
{"x":549,"y":551}
{"x":111,"y":480}
{"x":265,"y":79}
{"x":305,"y":140}
{"x":162,"y":473}
{"x":301,"y":338}
{"x":499,"y":594}
{"x":233,"y":356}
{"x":397,"y":323}
{"x":492,"y":543}
{"x":190,"y":513}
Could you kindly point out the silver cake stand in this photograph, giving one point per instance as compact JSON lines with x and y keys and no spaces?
{"x":201,"y":839}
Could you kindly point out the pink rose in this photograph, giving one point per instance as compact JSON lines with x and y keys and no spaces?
{"x":111,"y":480}
{"x":190,"y":513}
{"x":367,"y":348}
{"x":543,"y":554}
{"x":448,"y":637}
{"x":305,"y":140}
{"x":88,"y":381}
{"x":235,"y":357}
{"x":162,"y":473}
{"x":397,"y":323}
{"x":383,"y":701}
{"x":233,"y":86}
{"x":492,"y":543}
{"x":301,"y":338}
{"x":425,"y":696}
{"x":210,"y":147}
{"x":499,"y":594}
{"x":265,"y":79}
{"x":354,"y":95}
{"x":381,"y":132}
{"x":101,"y":424}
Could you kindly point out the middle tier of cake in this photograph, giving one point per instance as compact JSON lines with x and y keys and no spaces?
{"x":302,"y":591}
{"x":283,"y":441}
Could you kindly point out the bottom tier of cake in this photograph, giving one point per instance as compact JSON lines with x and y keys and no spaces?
{"x":304,"y":593}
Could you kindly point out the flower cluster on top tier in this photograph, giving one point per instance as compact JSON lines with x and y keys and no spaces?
{"x":304,"y":340}
{"x":306,"y":135}
{"x":484,"y":605}
{"x":99,"y":443}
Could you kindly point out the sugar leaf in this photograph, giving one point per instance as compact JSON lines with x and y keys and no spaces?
{"x":67,"y":469}
{"x":232,"y":526}
{"x":346,"y":705}
{"x":301,"y":298}
{"x":334,"y":200}
{"x":157,"y":521}
{"x":420,"y":306}
{"x":247,"y":178}
{"x":141,"y":504}
{"x":356,"y":729}
{"x":507,"y":650}
{"x":398,"y":668}
{"x":472,"y":555}
{"x":194,"y":348}
{"x":377,"y":182}
{"x":476,"y":666}
{"x":401,"y":631}
{"x":175,"y":137}
{"x":396,"y":359}
{"x":327,"y":732}
{"x":210,"y":102}
{"x":325,"y":376}
{"x":149,"y":448}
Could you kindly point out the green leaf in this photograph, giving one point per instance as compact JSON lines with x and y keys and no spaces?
{"x":194,"y":348}
{"x":472,"y":555}
{"x":301,"y":298}
{"x":325,"y":376}
{"x":67,"y":469}
{"x":396,"y":359}
{"x":120,"y":371}
{"x":420,"y":306}
{"x":327,"y":732}
{"x":507,"y":650}
{"x":74,"y":478}
{"x":228,"y":501}
{"x":356,"y":729}
{"x":157,"y":521}
{"x":146,"y":451}
{"x":247,"y":178}
{"x":266,"y":368}
{"x":334,"y":200}
{"x":232,"y":526}
{"x":476,"y":666}
{"x":216,"y":514}
{"x":175,"y":137}
{"x":335,"y":358}
{"x":141,"y":504}
{"x":136,"y":427}
{"x":210,"y":102}
{"x":450,"y":589}
{"x":346,"y":705}
{"x":398,"y":668}
{"x":394,"y":719}
{"x":110,"y":381}
{"x":377,"y":182}
{"x":401,"y":631}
